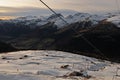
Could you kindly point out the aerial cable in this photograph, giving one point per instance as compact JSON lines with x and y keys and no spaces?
{"x":54,"y":12}
{"x":83,"y":37}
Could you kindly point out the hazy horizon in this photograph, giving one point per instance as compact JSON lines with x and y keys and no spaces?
{"x":9,"y":9}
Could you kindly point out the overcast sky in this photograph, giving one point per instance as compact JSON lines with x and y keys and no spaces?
{"x":26,"y":6}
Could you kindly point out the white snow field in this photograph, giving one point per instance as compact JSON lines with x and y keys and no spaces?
{"x":54,"y":65}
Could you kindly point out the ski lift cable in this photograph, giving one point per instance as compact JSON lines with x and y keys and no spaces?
{"x":54,"y":12}
{"x":83,"y":37}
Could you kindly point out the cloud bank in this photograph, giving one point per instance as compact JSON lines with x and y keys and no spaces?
{"x":66,"y":7}
{"x":11,"y":11}
{"x":77,"y":5}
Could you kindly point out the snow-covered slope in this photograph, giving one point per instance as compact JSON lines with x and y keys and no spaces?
{"x":53,"y":65}
{"x":115,"y":20}
{"x":80,"y":17}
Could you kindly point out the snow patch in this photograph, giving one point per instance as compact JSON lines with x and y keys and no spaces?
{"x":115,"y":20}
{"x":46,"y":65}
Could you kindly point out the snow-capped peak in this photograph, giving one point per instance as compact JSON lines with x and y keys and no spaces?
{"x":78,"y":17}
{"x":53,"y":16}
{"x":115,"y":20}
{"x":29,"y":18}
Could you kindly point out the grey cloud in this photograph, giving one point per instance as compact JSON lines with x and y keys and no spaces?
{"x":88,"y":5}
{"x":71,"y":6}
{"x":32,"y":11}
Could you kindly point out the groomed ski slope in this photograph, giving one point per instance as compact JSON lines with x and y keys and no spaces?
{"x":54,"y":65}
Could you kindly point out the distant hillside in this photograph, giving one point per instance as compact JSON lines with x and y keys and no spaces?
{"x":6,"y":47}
{"x":105,"y":36}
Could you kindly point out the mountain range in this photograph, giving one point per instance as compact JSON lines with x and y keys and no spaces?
{"x":51,"y":33}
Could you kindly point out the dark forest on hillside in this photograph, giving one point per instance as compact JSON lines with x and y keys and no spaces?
{"x":105,"y":36}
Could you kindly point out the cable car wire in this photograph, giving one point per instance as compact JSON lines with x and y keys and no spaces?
{"x":83,"y":37}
